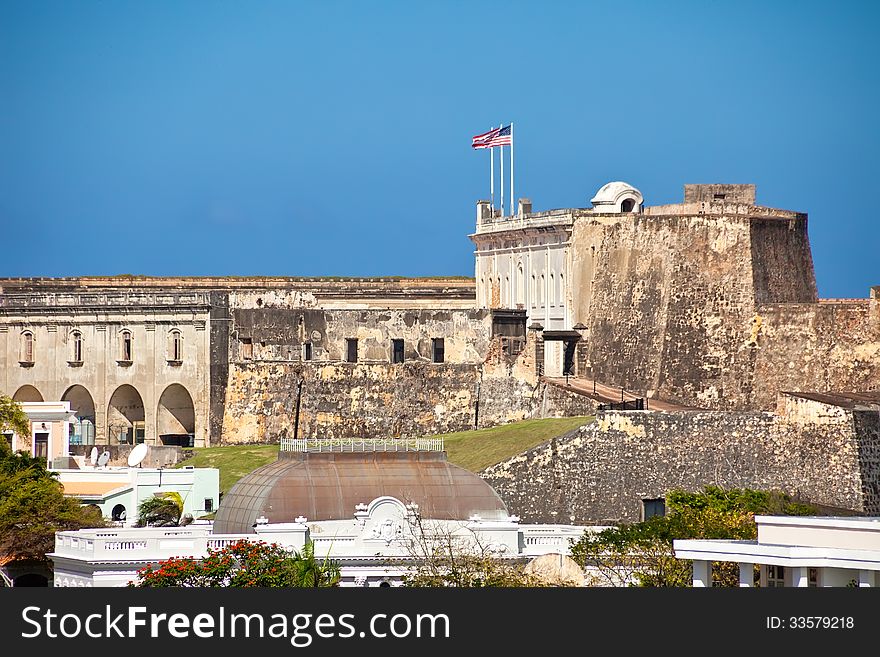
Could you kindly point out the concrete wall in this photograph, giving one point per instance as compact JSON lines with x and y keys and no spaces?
{"x":600,"y":473}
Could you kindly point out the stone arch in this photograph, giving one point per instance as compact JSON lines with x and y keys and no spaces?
{"x":27,"y":393}
{"x":125,"y":417}
{"x":627,"y":205}
{"x":176,"y":416}
{"x":82,"y":429}
{"x":118,"y":514}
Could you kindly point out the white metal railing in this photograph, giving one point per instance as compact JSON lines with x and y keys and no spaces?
{"x":362,"y":445}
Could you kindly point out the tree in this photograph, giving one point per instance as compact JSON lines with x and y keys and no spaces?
{"x":12,"y":417}
{"x":244,"y":564}
{"x":161,"y":510}
{"x":641,"y":554}
{"x":32,"y":502}
{"x":445,"y":557}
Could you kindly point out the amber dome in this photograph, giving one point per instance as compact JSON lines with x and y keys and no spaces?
{"x":328,"y":486}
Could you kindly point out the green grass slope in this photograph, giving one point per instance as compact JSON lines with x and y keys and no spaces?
{"x":471,"y":450}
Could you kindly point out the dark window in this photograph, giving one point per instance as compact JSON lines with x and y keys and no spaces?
{"x":126,"y":345}
{"x":175,"y":350}
{"x":118,"y":513}
{"x":27,"y":347}
{"x":247,"y":348}
{"x":775,"y":576}
{"x":351,"y":350}
{"x":41,"y":445}
{"x":719,"y":197}
{"x":397,"y":351}
{"x":438,"y":350}
{"x":651,"y":508}
{"x":209,"y":504}
{"x":307,"y":351}
{"x":77,"y":347}
{"x":627,"y":205}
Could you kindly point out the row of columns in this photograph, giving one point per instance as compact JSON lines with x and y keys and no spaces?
{"x":800,"y":576}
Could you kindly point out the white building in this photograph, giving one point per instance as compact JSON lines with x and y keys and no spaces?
{"x":795,"y":551}
{"x":49,"y":429}
{"x":374,"y":548}
{"x":375,"y":506}
{"x":119,"y":491}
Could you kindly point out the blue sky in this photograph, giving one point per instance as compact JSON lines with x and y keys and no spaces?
{"x":332,"y":138}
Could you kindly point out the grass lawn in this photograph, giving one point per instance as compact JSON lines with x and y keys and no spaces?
{"x":471,"y":450}
{"x":476,"y":450}
{"x":234,"y":461}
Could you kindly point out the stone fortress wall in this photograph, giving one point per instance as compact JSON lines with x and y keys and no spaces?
{"x":710,"y":303}
{"x":823,"y":450}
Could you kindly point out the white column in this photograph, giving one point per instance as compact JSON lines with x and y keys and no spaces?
{"x":866,"y":578}
{"x":800,"y":578}
{"x":746,"y":574}
{"x":702,"y":574}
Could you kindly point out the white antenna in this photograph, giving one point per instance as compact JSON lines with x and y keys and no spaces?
{"x":138,"y":454}
{"x":93,"y":456}
{"x":103,"y":459}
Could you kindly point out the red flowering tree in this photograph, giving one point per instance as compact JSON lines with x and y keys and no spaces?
{"x":243,"y":564}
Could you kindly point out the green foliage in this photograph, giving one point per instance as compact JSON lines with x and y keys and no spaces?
{"x":642,"y":553}
{"x":244,"y":564}
{"x":33,"y":507}
{"x":12,"y":418}
{"x":161,"y":510}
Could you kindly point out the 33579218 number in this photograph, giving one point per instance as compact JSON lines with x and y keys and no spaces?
{"x":821,"y":622}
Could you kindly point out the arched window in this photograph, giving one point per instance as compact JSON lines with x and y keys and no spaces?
{"x":27,"y":347}
{"x":562,"y":294}
{"x":125,"y":346}
{"x":505,"y":301}
{"x":627,"y":205}
{"x":533,"y":292}
{"x":552,"y":289}
{"x":541,"y":291}
{"x":482,"y":291}
{"x":175,"y":346}
{"x":76,"y":347}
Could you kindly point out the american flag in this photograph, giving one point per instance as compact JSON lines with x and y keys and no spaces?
{"x":496,"y":137}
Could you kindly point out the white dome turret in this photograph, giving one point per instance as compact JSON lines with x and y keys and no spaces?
{"x":617,"y":197}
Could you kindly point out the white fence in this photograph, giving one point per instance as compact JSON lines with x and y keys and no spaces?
{"x":362,"y":445}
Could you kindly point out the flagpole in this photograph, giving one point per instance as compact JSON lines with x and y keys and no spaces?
{"x":492,"y":178}
{"x":501,"y":159}
{"x":512,"y":200}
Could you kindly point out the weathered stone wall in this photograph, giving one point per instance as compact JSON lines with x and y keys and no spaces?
{"x":277,"y":334}
{"x":159,"y":456}
{"x":814,"y":347}
{"x":347,"y":399}
{"x":668,"y":305}
{"x":782,"y":262}
{"x":381,"y":399}
{"x":600,"y":473}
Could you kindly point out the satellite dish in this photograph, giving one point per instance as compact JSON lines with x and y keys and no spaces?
{"x":102,"y":460}
{"x":138,"y":454}
{"x":93,"y":456}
